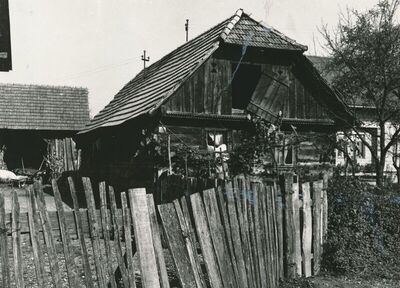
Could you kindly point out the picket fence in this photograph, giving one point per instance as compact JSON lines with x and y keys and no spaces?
{"x":245,"y":233}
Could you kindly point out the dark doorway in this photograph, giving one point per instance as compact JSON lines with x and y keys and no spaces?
{"x":24,"y":150}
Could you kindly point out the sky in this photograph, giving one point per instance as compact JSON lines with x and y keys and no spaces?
{"x":97,"y":44}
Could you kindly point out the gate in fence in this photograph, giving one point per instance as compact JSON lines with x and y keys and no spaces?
{"x":242,"y":234}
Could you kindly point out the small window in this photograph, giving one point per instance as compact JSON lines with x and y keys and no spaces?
{"x":287,"y":154}
{"x":244,"y":82}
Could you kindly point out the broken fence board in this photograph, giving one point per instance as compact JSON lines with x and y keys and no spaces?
{"x":143,"y":238}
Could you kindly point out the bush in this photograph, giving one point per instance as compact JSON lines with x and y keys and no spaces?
{"x":363,"y":230}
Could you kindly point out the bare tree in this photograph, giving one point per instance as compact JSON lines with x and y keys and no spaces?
{"x":365,"y":50}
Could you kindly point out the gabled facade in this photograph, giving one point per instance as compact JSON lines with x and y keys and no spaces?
{"x":206,"y":91}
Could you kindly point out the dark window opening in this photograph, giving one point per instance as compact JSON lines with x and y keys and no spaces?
{"x":245,"y":80}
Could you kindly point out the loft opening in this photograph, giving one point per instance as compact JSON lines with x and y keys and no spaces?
{"x":245,"y":79}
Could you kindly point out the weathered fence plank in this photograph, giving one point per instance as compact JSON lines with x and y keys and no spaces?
{"x":190,"y":254}
{"x":218,"y":238}
{"x":317,"y":191}
{"x":143,"y":238}
{"x":5,"y":272}
{"x":206,"y":245}
{"x":162,"y":270}
{"x":236,"y":237}
{"x":289,"y":231}
{"x":307,"y":230}
{"x":69,"y":261}
{"x":297,"y":235}
{"x":48,"y":236}
{"x":128,"y":239}
{"x":94,"y":229}
{"x":224,"y":215}
{"x":80,"y":233}
{"x":117,"y":238}
{"x":16,"y":242}
{"x":106,"y":233}
{"x":34,"y":224}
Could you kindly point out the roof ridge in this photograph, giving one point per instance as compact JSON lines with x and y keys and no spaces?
{"x":235,"y":18}
{"x":42,"y":86}
{"x":280,"y":34}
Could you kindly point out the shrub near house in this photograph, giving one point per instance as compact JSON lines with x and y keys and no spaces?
{"x":363,"y":231}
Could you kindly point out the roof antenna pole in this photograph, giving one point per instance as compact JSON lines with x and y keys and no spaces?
{"x":145,"y":59}
{"x":187,"y":29}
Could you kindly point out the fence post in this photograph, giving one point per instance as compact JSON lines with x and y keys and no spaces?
{"x":318,"y":185}
{"x":289,"y":227}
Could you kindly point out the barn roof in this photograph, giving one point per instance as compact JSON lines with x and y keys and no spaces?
{"x":39,"y":107}
{"x":154,"y":85}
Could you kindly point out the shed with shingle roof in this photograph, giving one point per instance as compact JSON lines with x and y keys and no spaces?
{"x":38,"y":121}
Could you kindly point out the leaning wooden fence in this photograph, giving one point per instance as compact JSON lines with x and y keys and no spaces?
{"x":243,"y":234}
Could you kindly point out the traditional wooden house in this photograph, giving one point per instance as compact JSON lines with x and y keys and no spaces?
{"x":204,"y":93}
{"x":37,"y":123}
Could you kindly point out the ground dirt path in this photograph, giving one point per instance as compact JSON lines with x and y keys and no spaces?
{"x":345,"y":282}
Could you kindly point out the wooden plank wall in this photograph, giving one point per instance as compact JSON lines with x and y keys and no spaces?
{"x":209,"y":91}
{"x":247,"y":234}
{"x":206,"y":91}
{"x":65,"y":149}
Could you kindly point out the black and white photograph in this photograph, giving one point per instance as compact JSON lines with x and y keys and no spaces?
{"x":200,"y":144}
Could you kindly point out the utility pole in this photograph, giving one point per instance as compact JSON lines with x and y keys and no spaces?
{"x":187,"y":29}
{"x":145,"y":59}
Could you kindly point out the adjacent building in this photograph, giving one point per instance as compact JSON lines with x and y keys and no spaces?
{"x":37,"y":123}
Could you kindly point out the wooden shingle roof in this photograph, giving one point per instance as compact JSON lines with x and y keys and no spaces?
{"x":39,"y":107}
{"x":153,"y":86}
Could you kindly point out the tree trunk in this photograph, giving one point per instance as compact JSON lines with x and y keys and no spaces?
{"x":380,"y":165}
{"x":398,"y":178}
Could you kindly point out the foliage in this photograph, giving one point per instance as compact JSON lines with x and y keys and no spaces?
{"x":256,"y":151}
{"x":363,"y":230}
{"x":365,"y":50}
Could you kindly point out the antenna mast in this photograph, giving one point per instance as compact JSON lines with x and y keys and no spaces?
{"x":187,"y":29}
